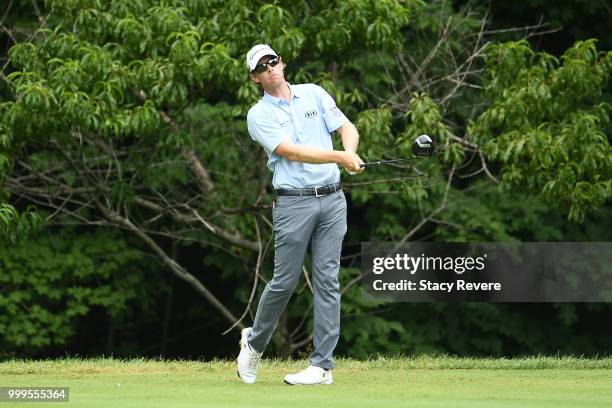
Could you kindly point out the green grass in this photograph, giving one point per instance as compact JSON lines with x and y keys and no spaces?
{"x":383,"y":382}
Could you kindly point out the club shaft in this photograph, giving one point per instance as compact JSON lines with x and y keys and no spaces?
{"x":385,"y":162}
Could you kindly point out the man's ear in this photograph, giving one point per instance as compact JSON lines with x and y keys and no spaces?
{"x":254,"y":78}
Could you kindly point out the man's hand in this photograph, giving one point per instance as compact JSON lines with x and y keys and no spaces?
{"x":351,"y":162}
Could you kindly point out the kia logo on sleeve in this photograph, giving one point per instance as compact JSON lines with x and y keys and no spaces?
{"x":311,"y":114}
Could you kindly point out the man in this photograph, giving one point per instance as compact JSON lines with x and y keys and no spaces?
{"x":293,"y":123}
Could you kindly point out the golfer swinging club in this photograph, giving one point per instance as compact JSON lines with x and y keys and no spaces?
{"x":293,"y":123}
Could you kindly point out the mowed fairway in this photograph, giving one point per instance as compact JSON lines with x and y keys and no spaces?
{"x":398,"y":382}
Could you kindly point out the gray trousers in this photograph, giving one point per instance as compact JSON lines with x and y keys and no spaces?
{"x":299,"y":221}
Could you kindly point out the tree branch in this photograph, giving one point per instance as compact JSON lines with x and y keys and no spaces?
{"x":177,"y":269}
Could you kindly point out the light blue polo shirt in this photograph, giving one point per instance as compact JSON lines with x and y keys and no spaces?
{"x":308,"y":120}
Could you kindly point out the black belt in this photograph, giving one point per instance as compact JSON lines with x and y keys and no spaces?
{"x":311,"y":191}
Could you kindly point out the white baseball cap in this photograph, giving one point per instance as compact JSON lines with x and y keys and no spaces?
{"x":255,"y":53}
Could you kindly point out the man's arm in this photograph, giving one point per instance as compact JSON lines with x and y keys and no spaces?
{"x":350,"y":136}
{"x":307,"y":154}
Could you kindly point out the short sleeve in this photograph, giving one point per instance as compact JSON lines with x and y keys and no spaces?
{"x":265,"y":130}
{"x":332,"y":115}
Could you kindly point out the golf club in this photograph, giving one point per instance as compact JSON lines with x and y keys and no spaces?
{"x":422,"y":146}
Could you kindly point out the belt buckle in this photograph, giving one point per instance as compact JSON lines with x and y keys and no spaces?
{"x":317,"y":193}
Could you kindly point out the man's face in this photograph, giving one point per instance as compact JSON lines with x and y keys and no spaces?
{"x":272,"y":75}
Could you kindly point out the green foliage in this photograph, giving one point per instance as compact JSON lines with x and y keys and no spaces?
{"x":370,"y":331}
{"x":545,"y":123}
{"x":14,"y":226}
{"x":374,"y":127}
{"x":485,"y":213}
{"x":149,"y":80}
{"x":124,"y":72}
{"x":106,"y":101}
{"x":51,"y":282}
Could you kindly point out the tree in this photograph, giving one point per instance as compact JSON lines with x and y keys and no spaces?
{"x":132,"y":115}
{"x":49,"y":283}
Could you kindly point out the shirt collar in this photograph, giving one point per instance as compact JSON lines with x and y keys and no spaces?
{"x":277,"y":101}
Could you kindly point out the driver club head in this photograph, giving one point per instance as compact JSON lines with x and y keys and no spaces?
{"x":423,"y":146}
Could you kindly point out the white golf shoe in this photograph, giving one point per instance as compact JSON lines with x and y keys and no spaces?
{"x":311,"y":375}
{"x":247,"y":359}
